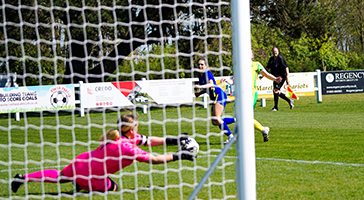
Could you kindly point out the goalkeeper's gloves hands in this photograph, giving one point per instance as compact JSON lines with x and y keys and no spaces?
{"x":177,"y":141}
{"x":184,"y":155}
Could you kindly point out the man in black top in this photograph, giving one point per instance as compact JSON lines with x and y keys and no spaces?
{"x":278,"y":68}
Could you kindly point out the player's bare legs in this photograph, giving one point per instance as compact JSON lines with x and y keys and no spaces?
{"x":216,"y":120}
{"x":216,"y":113}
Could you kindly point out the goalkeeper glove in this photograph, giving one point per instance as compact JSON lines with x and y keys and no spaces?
{"x":178,"y":140}
{"x":184,"y":155}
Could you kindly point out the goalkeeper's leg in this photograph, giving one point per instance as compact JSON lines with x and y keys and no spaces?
{"x":48,"y":175}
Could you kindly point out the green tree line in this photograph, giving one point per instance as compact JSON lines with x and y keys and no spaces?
{"x":53,"y":42}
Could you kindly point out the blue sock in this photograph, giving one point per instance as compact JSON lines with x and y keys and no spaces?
{"x":224,"y":127}
{"x":229,"y":120}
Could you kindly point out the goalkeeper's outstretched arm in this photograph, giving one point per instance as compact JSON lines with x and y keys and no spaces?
{"x":179,"y":155}
{"x":158,"y":141}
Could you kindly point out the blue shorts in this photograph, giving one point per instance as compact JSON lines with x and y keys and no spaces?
{"x":219,"y":96}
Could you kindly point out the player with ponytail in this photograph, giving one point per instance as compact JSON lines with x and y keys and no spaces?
{"x":91,"y":170}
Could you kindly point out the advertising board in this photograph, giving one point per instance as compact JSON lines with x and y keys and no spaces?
{"x":112,"y":94}
{"x":342,"y":82}
{"x":37,"y":98}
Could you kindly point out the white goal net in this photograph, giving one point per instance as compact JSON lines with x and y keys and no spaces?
{"x":80,"y":65}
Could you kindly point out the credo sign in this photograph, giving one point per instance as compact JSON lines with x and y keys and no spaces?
{"x":113,"y":94}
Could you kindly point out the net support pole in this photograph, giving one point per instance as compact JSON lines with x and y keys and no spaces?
{"x":245,"y":144}
{"x":82,"y":108}
{"x":319,"y":86}
{"x":17,"y":116}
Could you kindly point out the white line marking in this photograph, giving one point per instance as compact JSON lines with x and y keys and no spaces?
{"x":313,"y":162}
{"x":302,"y":161}
{"x":233,"y":157}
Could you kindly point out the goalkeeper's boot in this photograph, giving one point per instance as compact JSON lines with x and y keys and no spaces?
{"x":77,"y":187}
{"x":265,"y":133}
{"x":291,"y":104}
{"x":17,"y":182}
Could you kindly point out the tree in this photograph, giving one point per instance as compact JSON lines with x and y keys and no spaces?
{"x":29,"y":43}
{"x":92,"y":37}
{"x":294,"y":18}
{"x":142,"y":25}
{"x":350,"y":24}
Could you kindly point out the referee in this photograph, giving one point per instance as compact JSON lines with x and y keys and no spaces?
{"x":278,"y":68}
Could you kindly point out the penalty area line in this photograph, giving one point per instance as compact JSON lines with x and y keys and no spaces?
{"x":232,"y":157}
{"x":300,"y":161}
{"x":313,"y":162}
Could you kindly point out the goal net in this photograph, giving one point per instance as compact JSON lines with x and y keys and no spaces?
{"x":80,"y":65}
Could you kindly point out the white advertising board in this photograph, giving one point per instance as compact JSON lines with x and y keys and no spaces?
{"x":303,"y":84}
{"x":96,"y":95}
{"x":37,"y":98}
{"x":169,"y":91}
{"x":113,"y":94}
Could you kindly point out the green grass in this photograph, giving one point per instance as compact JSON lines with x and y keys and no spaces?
{"x":315,"y":152}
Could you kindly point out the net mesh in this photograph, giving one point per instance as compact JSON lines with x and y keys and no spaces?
{"x":50,"y":43}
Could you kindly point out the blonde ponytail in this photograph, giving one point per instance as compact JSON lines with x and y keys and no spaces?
{"x":111,"y":134}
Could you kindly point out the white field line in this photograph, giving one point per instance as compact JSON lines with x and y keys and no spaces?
{"x":305,"y":161}
{"x":232,"y":157}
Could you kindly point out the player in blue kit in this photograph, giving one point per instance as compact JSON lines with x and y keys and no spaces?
{"x":208,"y":85}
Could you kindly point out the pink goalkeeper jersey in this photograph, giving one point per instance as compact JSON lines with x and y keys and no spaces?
{"x":107,"y":159}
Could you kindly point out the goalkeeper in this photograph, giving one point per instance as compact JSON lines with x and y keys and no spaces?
{"x":256,"y":69}
{"x":90,"y":170}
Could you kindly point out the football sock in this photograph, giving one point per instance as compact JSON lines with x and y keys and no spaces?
{"x":284,"y":97}
{"x":50,"y":175}
{"x":224,"y":127}
{"x":112,"y":185}
{"x":275,"y":100}
{"x":109,"y":184}
{"x":258,"y":126}
{"x":229,"y":120}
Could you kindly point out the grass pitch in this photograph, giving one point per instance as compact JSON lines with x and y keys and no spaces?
{"x":315,"y":151}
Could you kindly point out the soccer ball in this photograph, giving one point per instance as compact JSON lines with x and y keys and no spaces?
{"x":191,"y":145}
{"x":59,"y":99}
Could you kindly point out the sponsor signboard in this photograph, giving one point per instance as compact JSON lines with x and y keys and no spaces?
{"x":127,"y":93}
{"x":342,"y":82}
{"x":303,"y":84}
{"x":97,"y":95}
{"x":37,"y":98}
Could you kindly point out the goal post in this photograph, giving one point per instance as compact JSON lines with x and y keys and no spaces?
{"x":245,"y":166}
